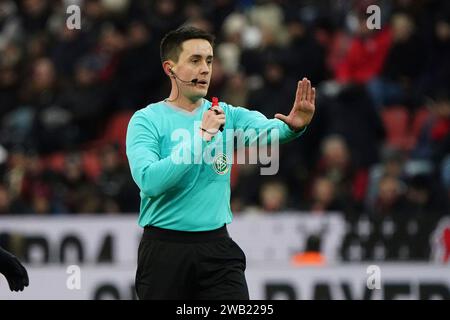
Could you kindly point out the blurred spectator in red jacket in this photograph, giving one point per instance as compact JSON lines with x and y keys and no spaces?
{"x":366,"y":55}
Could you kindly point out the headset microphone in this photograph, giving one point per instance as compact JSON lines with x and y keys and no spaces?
{"x":194,"y":81}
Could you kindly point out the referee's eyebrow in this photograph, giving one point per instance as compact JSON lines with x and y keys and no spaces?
{"x":198,"y":56}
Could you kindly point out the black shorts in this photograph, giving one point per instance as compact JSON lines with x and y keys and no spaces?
{"x":205,"y":265}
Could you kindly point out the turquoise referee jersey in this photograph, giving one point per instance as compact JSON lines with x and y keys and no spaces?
{"x":184,"y":181}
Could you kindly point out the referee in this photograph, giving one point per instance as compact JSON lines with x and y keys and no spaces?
{"x":185,"y":251}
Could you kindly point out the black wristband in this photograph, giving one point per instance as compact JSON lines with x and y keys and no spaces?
{"x":209,"y":132}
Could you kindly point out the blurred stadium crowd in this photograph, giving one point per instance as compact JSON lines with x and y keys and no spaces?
{"x":379,"y":143}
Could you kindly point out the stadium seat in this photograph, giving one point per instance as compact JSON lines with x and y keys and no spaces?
{"x":91,"y":163}
{"x":395,"y":120}
{"x":116,"y":129}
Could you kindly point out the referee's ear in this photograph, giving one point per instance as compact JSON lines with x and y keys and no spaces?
{"x":167,"y":67}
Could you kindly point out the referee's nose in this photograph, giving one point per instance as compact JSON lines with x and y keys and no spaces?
{"x":204,"y":68}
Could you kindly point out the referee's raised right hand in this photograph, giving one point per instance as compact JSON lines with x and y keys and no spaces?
{"x":211,"y":122}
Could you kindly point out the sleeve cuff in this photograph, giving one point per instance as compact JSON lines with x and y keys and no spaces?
{"x":292,"y":133}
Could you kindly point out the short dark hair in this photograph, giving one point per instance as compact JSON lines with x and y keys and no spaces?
{"x":171,"y":43}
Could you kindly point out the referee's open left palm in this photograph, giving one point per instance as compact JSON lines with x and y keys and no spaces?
{"x":304,"y":106}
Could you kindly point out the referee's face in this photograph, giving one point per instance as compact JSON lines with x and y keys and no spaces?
{"x":195,"y":62}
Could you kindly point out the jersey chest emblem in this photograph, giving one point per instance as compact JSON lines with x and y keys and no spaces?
{"x":220,"y":164}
